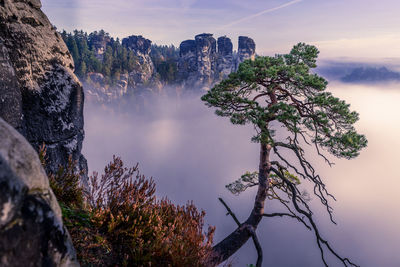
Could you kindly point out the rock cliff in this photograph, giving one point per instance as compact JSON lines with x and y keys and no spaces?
{"x":225,"y":61}
{"x":144,"y":74}
{"x":31,"y":228}
{"x":246,"y":50}
{"x":98,"y":91}
{"x":39,"y":94}
{"x":135,"y":69}
{"x":202,"y":63}
{"x":197,"y":65}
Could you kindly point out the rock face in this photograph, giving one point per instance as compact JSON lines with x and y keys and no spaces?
{"x":142,"y":80}
{"x":144,"y":74}
{"x":200,"y":64}
{"x":39,"y":94}
{"x":31,"y":229}
{"x":197,"y":66}
{"x":206,"y":52}
{"x":187,"y":64}
{"x":225,"y":57}
{"x":246,"y":50}
{"x":99,"y":92}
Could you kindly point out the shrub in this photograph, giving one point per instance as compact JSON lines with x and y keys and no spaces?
{"x":118,"y":221}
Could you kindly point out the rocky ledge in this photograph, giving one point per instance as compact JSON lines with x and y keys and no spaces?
{"x":39,"y":94}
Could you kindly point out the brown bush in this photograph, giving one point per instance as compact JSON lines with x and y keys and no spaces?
{"x":122,"y":223}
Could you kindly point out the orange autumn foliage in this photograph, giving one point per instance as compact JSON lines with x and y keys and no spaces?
{"x":121,"y":222}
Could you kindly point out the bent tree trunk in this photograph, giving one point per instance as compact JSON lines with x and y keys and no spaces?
{"x":233,"y":242}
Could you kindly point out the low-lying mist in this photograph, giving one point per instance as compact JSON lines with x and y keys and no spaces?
{"x":192,"y":154}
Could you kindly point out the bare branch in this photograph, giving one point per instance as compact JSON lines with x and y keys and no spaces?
{"x":277,"y":214}
{"x":257,"y":245}
{"x":320,"y":240}
{"x":308,"y":172}
{"x":230,"y":212}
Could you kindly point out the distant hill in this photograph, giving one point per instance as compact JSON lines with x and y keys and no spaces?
{"x":359,"y":71}
{"x":371,"y":75}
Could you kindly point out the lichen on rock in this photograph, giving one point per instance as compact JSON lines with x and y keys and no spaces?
{"x":39,"y":93}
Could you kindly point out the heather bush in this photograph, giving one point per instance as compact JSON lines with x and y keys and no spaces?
{"x":118,"y":221}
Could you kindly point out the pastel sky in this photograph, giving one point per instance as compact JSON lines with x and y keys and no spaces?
{"x":340,"y":28}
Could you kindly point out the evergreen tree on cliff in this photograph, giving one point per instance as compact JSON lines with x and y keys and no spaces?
{"x":282,"y":93}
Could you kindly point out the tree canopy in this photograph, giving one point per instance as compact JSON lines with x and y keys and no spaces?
{"x":282,"y":93}
{"x":116,"y":58}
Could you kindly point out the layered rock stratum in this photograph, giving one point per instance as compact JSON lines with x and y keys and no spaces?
{"x":40,"y":95}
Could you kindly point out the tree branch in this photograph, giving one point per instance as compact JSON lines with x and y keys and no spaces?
{"x":230,"y":212}
{"x":346,"y":262}
{"x":278,"y":214}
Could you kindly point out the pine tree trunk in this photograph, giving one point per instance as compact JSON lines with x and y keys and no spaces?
{"x":233,"y":242}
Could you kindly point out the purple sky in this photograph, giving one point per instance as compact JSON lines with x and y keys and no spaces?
{"x":340,"y":28}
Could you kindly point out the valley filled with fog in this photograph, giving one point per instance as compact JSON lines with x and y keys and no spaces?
{"x":192,"y":154}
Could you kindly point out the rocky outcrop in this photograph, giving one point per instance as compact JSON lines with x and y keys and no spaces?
{"x":225,"y":57}
{"x":99,"y":42}
{"x":187,"y":64}
{"x":39,"y":94}
{"x":246,"y":50}
{"x":200,"y":64}
{"x":144,"y":74}
{"x":197,"y":66}
{"x":98,"y":91}
{"x":141,"y":80}
{"x":31,"y":228}
{"x":206,"y":49}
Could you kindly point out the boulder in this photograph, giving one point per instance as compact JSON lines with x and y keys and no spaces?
{"x":31,"y":228}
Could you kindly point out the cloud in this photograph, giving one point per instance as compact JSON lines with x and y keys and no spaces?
{"x":192,"y":154}
{"x":377,"y":46}
{"x":260,"y":14}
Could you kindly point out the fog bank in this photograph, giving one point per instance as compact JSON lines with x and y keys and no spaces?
{"x":192,"y":154}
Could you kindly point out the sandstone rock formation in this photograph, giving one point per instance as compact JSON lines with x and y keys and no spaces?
{"x":39,"y":94}
{"x":144,"y":74}
{"x":31,"y":229}
{"x":98,"y":91}
{"x":246,"y":50}
{"x":187,"y":64}
{"x":200,"y":64}
{"x":197,"y":66}
{"x":225,"y":61}
{"x":206,"y":49}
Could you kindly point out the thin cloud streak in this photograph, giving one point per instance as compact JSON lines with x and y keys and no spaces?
{"x":260,"y":13}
